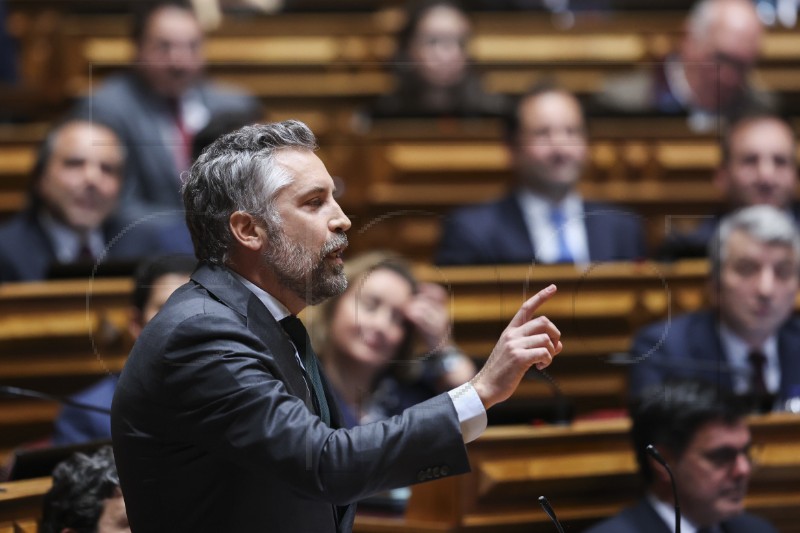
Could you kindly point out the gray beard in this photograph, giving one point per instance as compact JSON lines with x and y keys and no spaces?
{"x":307,"y":275}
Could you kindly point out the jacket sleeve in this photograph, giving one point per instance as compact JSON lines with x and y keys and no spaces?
{"x":227,"y":395}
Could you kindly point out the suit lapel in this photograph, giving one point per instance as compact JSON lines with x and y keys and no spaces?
{"x":225,"y":287}
{"x":644,"y":514}
{"x":788,"y":343}
{"x":706,"y":349}
{"x":514,"y":236}
{"x":261,"y":322}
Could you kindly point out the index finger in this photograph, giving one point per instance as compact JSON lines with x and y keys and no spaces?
{"x":531,"y":305}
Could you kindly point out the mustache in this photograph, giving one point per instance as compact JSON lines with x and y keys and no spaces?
{"x":334,"y":243}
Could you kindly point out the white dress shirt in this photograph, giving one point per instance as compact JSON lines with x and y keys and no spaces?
{"x":667,"y":513}
{"x":67,"y":242}
{"x":737,"y":352}
{"x":536,"y":211}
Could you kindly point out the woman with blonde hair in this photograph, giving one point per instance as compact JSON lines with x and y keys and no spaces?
{"x":385,"y":342}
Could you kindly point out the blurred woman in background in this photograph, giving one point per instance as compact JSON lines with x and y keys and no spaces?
{"x":367,"y":338}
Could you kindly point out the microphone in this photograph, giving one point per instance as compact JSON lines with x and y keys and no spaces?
{"x":653,"y":452}
{"x":563,"y":408}
{"x":17,"y":392}
{"x":552,"y":514}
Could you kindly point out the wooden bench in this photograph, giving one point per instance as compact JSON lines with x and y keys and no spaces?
{"x":587,"y":471}
{"x":312,"y":62}
{"x":57,"y":337}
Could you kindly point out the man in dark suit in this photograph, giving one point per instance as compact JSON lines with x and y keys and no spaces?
{"x":544,"y":219}
{"x":70,"y":217}
{"x":706,"y":78}
{"x":221,"y":419}
{"x":158,"y":107}
{"x":758,"y":167}
{"x":155,"y":280}
{"x":703,"y":436}
{"x":747,"y":342}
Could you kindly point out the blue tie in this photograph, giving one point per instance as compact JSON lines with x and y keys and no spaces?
{"x":558,"y":221}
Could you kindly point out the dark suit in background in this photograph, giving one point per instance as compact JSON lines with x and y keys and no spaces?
{"x":75,"y":425}
{"x":214,"y":417}
{"x":27,"y":254}
{"x":692,"y":349}
{"x":642,"y":518}
{"x":496,"y":232}
{"x":144,"y":121}
{"x":694,"y":244}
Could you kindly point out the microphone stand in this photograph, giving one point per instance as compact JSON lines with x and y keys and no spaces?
{"x":551,"y":513}
{"x":17,"y":392}
{"x":653,"y":452}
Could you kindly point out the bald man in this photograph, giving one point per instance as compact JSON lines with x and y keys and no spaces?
{"x":707,"y":77}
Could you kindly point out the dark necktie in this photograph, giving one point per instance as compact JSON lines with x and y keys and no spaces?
{"x":758,"y":386}
{"x":182,"y":149}
{"x":558,"y":220}
{"x":85,"y":254}
{"x":297,"y":332}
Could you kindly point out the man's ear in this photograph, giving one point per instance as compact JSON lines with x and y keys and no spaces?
{"x":248,"y":232}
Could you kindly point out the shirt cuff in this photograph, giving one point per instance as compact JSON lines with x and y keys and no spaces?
{"x":471,"y":414}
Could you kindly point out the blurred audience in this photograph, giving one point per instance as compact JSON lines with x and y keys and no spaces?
{"x":747,"y":341}
{"x":85,"y":496}
{"x":433,"y":76}
{"x":707,"y":77}
{"x":703,"y":436}
{"x":70,"y":219}
{"x":758,"y":167}
{"x":544,"y":219}
{"x":367,"y":337}
{"x":158,"y":107}
{"x":155,"y":280}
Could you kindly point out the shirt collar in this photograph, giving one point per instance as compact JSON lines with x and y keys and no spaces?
{"x":66,"y":241}
{"x":538,"y":205}
{"x":666,"y":511}
{"x":275,"y":307}
{"x":737,"y":352}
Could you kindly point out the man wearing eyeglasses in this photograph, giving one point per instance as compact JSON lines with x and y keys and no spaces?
{"x":708,"y":74}
{"x":702,"y":434}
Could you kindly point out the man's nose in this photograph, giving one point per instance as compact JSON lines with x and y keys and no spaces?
{"x":766,"y":169}
{"x":339,"y":221}
{"x":766,"y":282}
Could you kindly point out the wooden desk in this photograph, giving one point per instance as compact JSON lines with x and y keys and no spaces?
{"x":587,"y":471}
{"x":57,"y":337}
{"x":21,"y":505}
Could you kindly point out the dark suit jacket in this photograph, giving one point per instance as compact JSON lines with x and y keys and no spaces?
{"x":496,"y":232}
{"x":26,"y":253}
{"x":139,"y":116}
{"x":642,"y":518}
{"x":646,"y":91}
{"x":695,"y":243}
{"x":213,"y":428}
{"x":75,"y":425}
{"x":689,"y":347}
